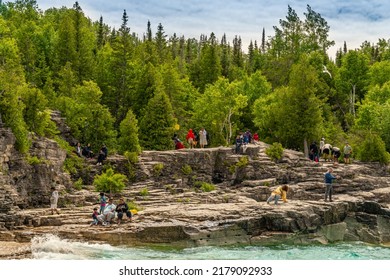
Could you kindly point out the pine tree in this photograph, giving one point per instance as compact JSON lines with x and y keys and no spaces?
{"x":157,"y":125}
{"x":128,"y":138}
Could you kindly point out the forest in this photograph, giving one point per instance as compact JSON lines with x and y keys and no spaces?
{"x":133,"y":93}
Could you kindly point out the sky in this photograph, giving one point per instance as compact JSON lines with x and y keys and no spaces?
{"x":352,"y":21}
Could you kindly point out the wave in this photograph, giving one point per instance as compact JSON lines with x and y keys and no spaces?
{"x":53,"y":247}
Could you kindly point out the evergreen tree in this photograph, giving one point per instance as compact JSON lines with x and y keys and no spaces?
{"x":128,"y":137}
{"x":157,"y":125}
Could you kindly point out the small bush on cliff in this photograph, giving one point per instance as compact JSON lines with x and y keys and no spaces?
{"x":275,"y":151}
{"x":204,"y":186}
{"x":110,"y":181}
{"x":186,"y":169}
{"x":157,"y":169}
{"x":373,"y":149}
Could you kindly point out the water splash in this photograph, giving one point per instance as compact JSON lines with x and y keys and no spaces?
{"x":53,"y":247}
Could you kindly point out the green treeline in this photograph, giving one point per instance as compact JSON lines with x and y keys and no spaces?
{"x":133,"y":93}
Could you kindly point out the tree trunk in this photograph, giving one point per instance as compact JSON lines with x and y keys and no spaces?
{"x":305,"y":148}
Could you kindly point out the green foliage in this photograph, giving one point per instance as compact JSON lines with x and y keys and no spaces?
{"x":132,"y":157}
{"x":157,"y":169}
{"x":72,"y":164}
{"x":78,"y":184}
{"x":275,"y":151}
{"x":33,"y":160}
{"x":110,"y":182}
{"x":133,"y":205}
{"x":144,"y":192}
{"x":186,"y":169}
{"x":204,"y":186}
{"x":219,"y":109}
{"x":372,"y":149}
{"x":157,"y":125}
{"x":128,"y":139}
{"x":242,"y":162}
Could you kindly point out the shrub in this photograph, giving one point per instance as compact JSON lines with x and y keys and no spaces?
{"x":33,"y":160}
{"x":204,"y":186}
{"x":243,"y":161}
{"x":144,"y":192}
{"x":373,"y":149}
{"x":275,"y":151}
{"x":78,"y":184}
{"x":186,"y":169}
{"x":157,"y":169}
{"x":110,"y":181}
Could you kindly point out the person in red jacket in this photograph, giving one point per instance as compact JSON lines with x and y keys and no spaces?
{"x":190,"y":138}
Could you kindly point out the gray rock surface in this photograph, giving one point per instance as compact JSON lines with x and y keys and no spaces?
{"x":176,"y":211}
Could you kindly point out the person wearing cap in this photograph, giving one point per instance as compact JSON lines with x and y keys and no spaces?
{"x":122,"y":208}
{"x":347,"y":153}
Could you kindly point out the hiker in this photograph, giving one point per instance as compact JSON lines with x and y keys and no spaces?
{"x":54,"y":200}
{"x":347,"y":153}
{"x":202,"y":137}
{"x":328,"y":177}
{"x":238,"y":144}
{"x":336,"y":154}
{"x":190,"y":138}
{"x":313,"y":154}
{"x":326,"y":152}
{"x":279,"y":193}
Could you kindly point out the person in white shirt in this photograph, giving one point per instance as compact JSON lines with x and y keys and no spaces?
{"x":54,"y":201}
{"x":108,"y":213}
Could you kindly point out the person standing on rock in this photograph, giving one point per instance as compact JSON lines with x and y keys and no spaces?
{"x":202,"y":138}
{"x":54,"y":201}
{"x":279,"y":193}
{"x":103,"y":202}
{"x":347,"y":153}
{"x":329,"y":184}
{"x":190,"y":138}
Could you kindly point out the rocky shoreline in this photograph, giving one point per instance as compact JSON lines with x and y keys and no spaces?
{"x":175,"y":211}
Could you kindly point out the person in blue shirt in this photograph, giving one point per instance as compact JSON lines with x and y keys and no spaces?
{"x":329,"y":184}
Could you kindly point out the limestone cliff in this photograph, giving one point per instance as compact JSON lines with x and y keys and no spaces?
{"x":175,"y":210}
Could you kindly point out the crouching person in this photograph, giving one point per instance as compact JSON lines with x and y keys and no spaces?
{"x":108,"y":213}
{"x":279,"y":193}
{"x":122,"y":209}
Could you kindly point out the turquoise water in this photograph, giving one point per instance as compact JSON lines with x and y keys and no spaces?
{"x":52,"y":247}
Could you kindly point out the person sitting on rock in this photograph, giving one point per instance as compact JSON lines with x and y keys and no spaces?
{"x":122,"y":208}
{"x":108,"y":213}
{"x":101,"y":157}
{"x":280,"y":192}
{"x":95,"y":215}
{"x":87,"y":151}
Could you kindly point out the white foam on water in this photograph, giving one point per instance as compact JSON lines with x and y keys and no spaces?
{"x":53,"y":247}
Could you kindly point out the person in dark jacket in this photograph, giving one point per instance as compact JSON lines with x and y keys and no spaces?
{"x":121,"y":209}
{"x":329,"y":184}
